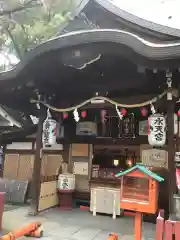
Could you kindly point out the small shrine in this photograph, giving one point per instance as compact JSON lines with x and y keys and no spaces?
{"x":139,"y":189}
{"x":139,"y":193}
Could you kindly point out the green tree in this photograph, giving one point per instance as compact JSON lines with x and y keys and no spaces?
{"x":26,"y":23}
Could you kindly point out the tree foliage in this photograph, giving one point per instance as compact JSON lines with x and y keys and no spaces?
{"x":26,"y":23}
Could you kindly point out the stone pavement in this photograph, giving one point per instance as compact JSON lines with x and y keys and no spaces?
{"x":76,"y":225}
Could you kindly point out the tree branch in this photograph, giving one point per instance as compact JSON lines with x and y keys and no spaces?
{"x":29,"y":4}
{"x":7,"y":58}
{"x":14,"y":43}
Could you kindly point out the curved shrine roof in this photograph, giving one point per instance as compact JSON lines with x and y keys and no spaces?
{"x":157,"y":15}
{"x":113,"y":21}
{"x":157,"y":52}
{"x":102,"y":21}
{"x":109,"y":21}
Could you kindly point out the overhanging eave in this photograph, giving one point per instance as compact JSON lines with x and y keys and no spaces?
{"x":149,"y":50}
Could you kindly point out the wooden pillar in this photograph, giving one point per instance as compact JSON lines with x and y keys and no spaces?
{"x":65,"y":156}
{"x":138,"y":226}
{"x":65,"y":152}
{"x":36,"y":176}
{"x":70,"y":159}
{"x":171,"y":153}
{"x":90,"y":161}
{"x":3,"y":160}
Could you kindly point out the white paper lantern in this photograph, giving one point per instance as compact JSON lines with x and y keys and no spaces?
{"x":157,"y":130}
{"x":175,"y":123}
{"x":49,"y":132}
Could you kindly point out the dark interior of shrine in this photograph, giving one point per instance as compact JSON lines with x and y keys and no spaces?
{"x":67,"y":77}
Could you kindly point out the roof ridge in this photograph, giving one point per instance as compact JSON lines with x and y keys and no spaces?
{"x":142,"y":169}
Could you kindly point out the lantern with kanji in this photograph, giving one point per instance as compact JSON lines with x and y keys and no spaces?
{"x":157,"y":130}
{"x":49,"y":132}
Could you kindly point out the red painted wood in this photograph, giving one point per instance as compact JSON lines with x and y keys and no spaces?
{"x":166,"y":230}
{"x":65,"y":200}
{"x":138,"y":226}
{"x":169,"y":230}
{"x":160,"y":225}
{"x":177,"y":231}
{"x":2,"y":199}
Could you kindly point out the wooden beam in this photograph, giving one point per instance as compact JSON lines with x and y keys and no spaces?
{"x":17,"y":134}
{"x":90,"y":161}
{"x":9,"y":118}
{"x":70,"y":159}
{"x":36,"y":176}
{"x":3,"y":158}
{"x":105,"y":141}
{"x":171,"y":154}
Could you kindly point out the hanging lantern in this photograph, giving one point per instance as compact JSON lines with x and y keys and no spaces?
{"x":83,"y":114}
{"x":175,"y":124}
{"x":129,"y":162}
{"x":116,"y":162}
{"x":157,"y":130}
{"x":65,"y":115}
{"x":123,"y":111}
{"x":49,"y":131}
{"x":178,"y":113}
{"x":144,"y":111}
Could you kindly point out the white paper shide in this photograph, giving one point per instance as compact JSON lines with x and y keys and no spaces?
{"x":157,"y":130}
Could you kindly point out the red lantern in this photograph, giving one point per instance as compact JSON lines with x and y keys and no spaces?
{"x":144,"y":111}
{"x":178,"y":113}
{"x":123,"y":111}
{"x":83,"y":114}
{"x":65,"y":115}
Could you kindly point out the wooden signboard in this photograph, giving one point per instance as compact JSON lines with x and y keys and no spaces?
{"x":80,"y":168}
{"x":80,"y":150}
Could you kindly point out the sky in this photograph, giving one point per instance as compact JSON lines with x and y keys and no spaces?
{"x":4,"y":60}
{"x":164,"y":12}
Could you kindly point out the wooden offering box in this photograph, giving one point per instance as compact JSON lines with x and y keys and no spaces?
{"x":139,"y":189}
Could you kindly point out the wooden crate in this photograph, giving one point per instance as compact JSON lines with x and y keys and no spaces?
{"x":48,"y":195}
{"x":52,"y":164}
{"x":48,"y":188}
{"x":20,"y":166}
{"x":11,"y":165}
{"x":48,"y":202}
{"x":26,"y":163}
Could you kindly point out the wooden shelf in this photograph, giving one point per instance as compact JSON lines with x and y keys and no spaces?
{"x":98,"y":140}
{"x":105,"y":181}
